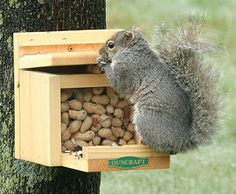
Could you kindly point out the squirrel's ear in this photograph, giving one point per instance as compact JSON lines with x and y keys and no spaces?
{"x":136,"y":28}
{"x":128,"y":37}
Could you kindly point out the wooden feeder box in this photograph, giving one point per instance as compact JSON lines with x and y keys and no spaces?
{"x":43,"y":63}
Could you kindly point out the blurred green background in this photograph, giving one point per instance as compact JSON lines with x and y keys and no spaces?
{"x":211,"y":169}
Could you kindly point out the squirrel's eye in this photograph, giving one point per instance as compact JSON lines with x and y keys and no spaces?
{"x":110,"y":44}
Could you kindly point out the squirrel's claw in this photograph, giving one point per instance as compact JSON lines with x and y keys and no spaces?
{"x":100,"y":61}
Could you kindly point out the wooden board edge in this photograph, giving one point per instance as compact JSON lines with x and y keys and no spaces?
{"x":83,"y":81}
{"x":55,"y":120}
{"x":65,"y":37}
{"x":58,"y":59}
{"x":16,"y":96}
{"x":105,"y":152}
{"x":71,"y":161}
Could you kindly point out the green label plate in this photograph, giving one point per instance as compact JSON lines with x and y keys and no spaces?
{"x":128,"y":162}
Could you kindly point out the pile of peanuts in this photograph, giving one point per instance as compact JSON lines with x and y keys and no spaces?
{"x":95,"y":116}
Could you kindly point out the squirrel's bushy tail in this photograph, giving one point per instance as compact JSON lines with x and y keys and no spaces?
{"x":187,"y":55}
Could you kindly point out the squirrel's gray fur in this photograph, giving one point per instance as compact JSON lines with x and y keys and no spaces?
{"x":173,"y":89}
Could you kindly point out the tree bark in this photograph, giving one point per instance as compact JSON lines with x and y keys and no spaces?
{"x":38,"y":15}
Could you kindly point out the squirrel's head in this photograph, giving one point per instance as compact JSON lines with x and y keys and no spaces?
{"x":117,"y":59}
{"x":119,"y":41}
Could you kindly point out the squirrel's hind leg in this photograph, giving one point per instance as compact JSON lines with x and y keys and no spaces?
{"x":157,"y":132}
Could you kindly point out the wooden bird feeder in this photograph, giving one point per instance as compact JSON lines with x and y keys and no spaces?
{"x":45,"y":63}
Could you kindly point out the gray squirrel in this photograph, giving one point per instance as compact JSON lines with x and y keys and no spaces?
{"x":173,"y":88}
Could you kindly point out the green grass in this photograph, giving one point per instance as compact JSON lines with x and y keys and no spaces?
{"x":211,"y":169}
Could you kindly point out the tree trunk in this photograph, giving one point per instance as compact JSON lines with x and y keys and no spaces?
{"x":38,"y":15}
